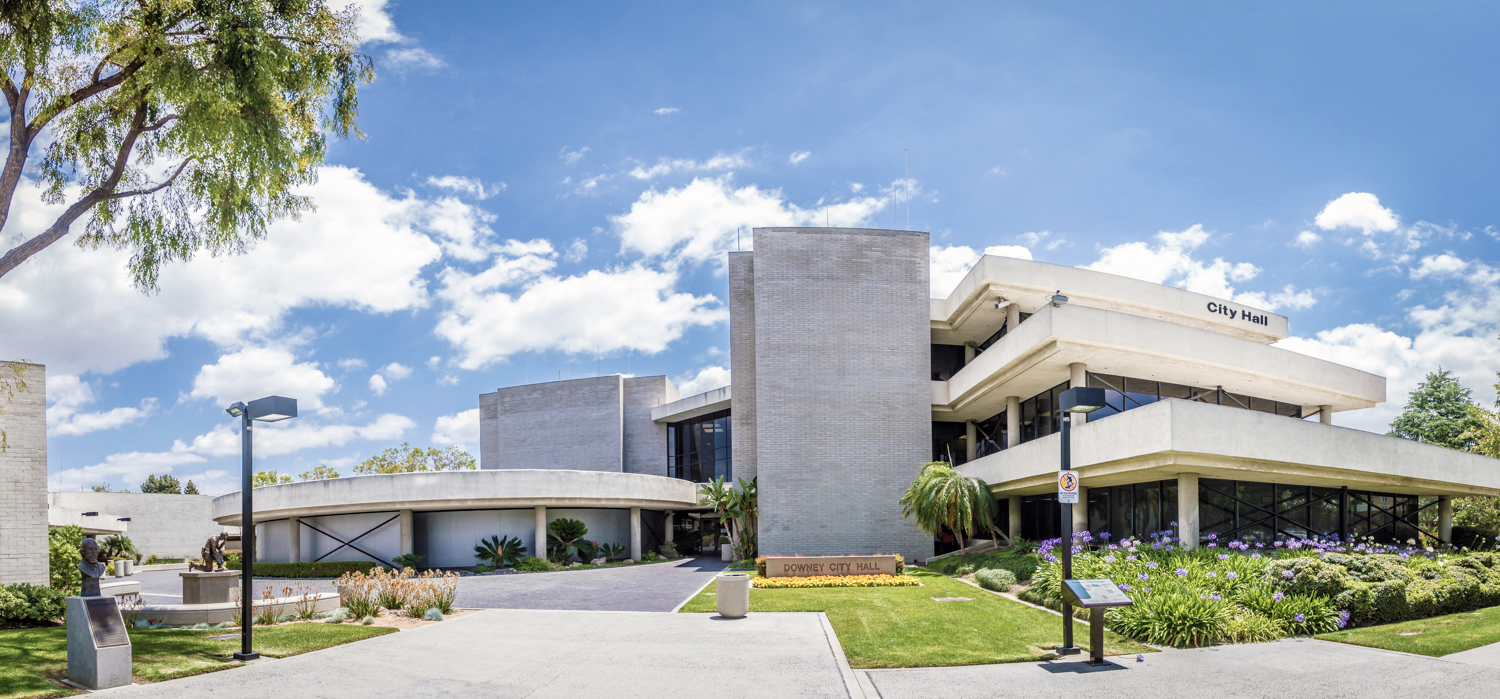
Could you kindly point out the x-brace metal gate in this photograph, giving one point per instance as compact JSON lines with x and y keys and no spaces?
{"x":350,"y":543}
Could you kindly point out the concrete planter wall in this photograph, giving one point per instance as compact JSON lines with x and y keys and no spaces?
{"x":190,"y":614}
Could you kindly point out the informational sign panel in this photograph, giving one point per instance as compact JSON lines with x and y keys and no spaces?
{"x":105,"y":622}
{"x":1067,"y":487}
{"x":1096,"y":593}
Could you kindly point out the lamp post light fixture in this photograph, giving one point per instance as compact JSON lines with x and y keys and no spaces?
{"x":1073,"y":400}
{"x":268,"y":409}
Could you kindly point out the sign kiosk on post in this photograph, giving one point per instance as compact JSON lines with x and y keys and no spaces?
{"x":99,"y":654}
{"x":1095,"y":595}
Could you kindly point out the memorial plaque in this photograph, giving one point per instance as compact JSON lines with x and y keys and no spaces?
{"x":105,"y":622}
{"x":1096,"y":593}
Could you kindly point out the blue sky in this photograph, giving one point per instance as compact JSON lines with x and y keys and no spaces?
{"x":548,"y":192}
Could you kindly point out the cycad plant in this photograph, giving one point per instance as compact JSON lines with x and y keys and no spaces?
{"x":941,"y":498}
{"x":612,"y":551}
{"x":565,"y":540}
{"x":500,"y":551}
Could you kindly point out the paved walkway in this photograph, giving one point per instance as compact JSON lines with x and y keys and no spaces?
{"x":1483,"y":655}
{"x":1283,"y":669}
{"x":543,"y":654}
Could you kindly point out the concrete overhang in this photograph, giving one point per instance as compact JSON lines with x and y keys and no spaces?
{"x":1036,"y":356}
{"x":1162,"y":440}
{"x":968,"y":314}
{"x":692,"y":406}
{"x":100,"y":523}
{"x":461,"y":490}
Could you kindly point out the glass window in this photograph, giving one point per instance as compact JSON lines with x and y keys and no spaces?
{"x":1262,"y":405}
{"x":1323,"y":512}
{"x":950,"y":442}
{"x":699,"y":449}
{"x":1172,"y":390}
{"x":946,"y":361}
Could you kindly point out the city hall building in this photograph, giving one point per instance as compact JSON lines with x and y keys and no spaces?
{"x":847,"y":378}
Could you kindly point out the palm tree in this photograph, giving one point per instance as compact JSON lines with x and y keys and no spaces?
{"x":942,"y":498}
{"x":747,"y":502}
{"x":724,"y":500}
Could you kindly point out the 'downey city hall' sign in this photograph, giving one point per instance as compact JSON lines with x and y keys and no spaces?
{"x":802,"y":566}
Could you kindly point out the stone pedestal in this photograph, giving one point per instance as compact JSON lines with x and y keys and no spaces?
{"x":209,"y":588}
{"x":99,"y":653}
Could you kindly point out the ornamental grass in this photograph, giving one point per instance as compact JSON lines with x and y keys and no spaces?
{"x":365,"y":595}
{"x":836,"y":581}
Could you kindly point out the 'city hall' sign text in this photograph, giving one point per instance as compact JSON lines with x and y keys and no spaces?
{"x":802,"y":566}
{"x":1233,"y":314}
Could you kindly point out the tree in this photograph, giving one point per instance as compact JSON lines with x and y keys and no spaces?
{"x":117,"y":546}
{"x":942,"y":498}
{"x":318,"y":473}
{"x":409,"y":459}
{"x":161,"y":484}
{"x":265,"y":478}
{"x":190,"y":489}
{"x":721,"y":498}
{"x":1437,"y":412}
{"x":105,"y":488}
{"x":179,"y":126}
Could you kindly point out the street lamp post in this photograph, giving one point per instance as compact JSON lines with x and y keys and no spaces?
{"x":268,"y":409}
{"x":1073,"y":400}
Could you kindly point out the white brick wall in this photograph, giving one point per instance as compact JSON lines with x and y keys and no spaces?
{"x":843,"y":406}
{"x":646,"y":441}
{"x":742,"y":363}
{"x":170,"y":526}
{"x":575,"y":424}
{"x":23,"y":481}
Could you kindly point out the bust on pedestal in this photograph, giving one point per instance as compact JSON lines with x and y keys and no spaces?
{"x":99,"y":652}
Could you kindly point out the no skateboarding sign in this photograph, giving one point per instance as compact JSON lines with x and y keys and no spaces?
{"x":1067,"y":487}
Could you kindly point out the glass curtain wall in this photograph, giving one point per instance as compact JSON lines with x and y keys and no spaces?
{"x":1123,"y":393}
{"x":950,"y":442}
{"x":1132,"y":510}
{"x":1265,"y":512}
{"x":698,"y":449}
{"x":946,"y":361}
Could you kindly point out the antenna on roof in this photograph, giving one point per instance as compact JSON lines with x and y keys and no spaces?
{"x":906,"y":161}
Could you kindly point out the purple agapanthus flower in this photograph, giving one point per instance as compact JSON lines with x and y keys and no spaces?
{"x":1287,"y":574}
{"x":1152,"y":565}
{"x":1143,"y":576}
{"x":1213,"y":537}
{"x":1212,"y":574}
{"x":1343,"y":619}
{"x":1181,"y":572}
{"x":1125,"y":587}
{"x":1109,"y":559}
{"x":1300,"y":618}
{"x":1213,"y":546}
{"x":1215,"y":597}
{"x":1231,"y":575}
{"x":1223,"y":556}
{"x":1278,"y":597}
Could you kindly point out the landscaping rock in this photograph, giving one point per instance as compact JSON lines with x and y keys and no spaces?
{"x":598,"y":561}
{"x":574,"y":564}
{"x":627,"y":561}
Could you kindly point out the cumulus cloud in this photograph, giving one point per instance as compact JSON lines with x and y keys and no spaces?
{"x":1042,"y":239}
{"x":461,"y":428}
{"x":377,"y":384}
{"x":572,"y":156}
{"x":698,"y":222}
{"x":262,"y":371}
{"x":949,"y":264}
{"x":352,"y":363}
{"x":577,"y":250}
{"x":799,"y":156}
{"x":279,"y":438}
{"x":666,"y":110}
{"x":1380,"y":233}
{"x":467,"y":185}
{"x":395,"y":372}
{"x":1170,"y":261}
{"x":374,"y":24}
{"x":1439,"y":266}
{"x":707,"y":379}
{"x":66,"y":396}
{"x":667,"y":166}
{"x":1360,"y":210}
{"x":130,"y":468}
{"x":1306,"y":239}
{"x":411,"y":59}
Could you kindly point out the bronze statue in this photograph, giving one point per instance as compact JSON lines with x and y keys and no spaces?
{"x":213,"y":554}
{"x":91,"y":568}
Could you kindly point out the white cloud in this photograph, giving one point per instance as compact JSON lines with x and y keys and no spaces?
{"x":949,"y":264}
{"x":66,"y":396}
{"x":1042,"y":239}
{"x":460,"y":428}
{"x":467,"y":185}
{"x":129,"y":468}
{"x":377,"y":384}
{"x":667,"y":166}
{"x":707,"y":379}
{"x":698,"y":222}
{"x":1306,"y":239}
{"x":434,"y":361}
{"x":573,"y":156}
{"x":395,"y":372}
{"x":76,"y":310}
{"x":1171,"y":261}
{"x":666,"y":110}
{"x":279,"y":438}
{"x":412,"y":59}
{"x":1360,"y":210}
{"x":799,"y":156}
{"x":577,"y":251}
{"x":254,"y":372}
{"x":352,"y":363}
{"x":1439,"y":266}
{"x":374,"y":24}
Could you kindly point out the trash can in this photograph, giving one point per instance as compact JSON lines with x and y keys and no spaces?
{"x":129,"y":569}
{"x":726,"y":552}
{"x":734,"y":595}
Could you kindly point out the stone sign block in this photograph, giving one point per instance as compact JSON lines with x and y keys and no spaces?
{"x":209,"y":588}
{"x":804,"y":566}
{"x":99,"y":651}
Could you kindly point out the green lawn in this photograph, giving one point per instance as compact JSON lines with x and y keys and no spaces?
{"x":904,"y":627}
{"x":29,"y":656}
{"x":1437,"y":636}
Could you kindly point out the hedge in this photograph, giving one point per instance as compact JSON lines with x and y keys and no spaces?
{"x":1474,"y":538}
{"x":320,"y":569}
{"x":30,"y":605}
{"x":1022,"y":565}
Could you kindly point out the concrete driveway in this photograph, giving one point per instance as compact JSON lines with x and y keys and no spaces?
{"x":543,"y":654}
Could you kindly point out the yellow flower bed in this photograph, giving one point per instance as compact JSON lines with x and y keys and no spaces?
{"x":837,"y":581}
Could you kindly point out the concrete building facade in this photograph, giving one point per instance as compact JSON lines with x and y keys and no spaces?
{"x":23,"y":473}
{"x":164,"y":525}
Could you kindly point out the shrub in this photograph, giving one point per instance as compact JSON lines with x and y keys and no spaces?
{"x":1309,"y":576}
{"x":565,"y":539}
{"x":536,"y":565}
{"x":964,"y":570}
{"x":337,"y":617}
{"x":482,"y":569}
{"x":1474,"y":538}
{"x":320,"y":569}
{"x":367,"y":620}
{"x":997,"y":579}
{"x":1249,"y":627}
{"x":62,"y":558}
{"x":407,"y":560}
{"x":23,"y":604}
{"x":433,"y":615}
{"x":612,"y":551}
{"x":669,"y":550}
{"x":1022,"y":565}
{"x":1173,"y":615}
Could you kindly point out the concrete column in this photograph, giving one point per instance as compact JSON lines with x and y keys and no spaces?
{"x":1325,"y":414}
{"x":294,"y":539}
{"x":1187,"y":509}
{"x":1081,"y":510}
{"x":1445,"y":518}
{"x":1012,"y":318}
{"x":1012,"y":421}
{"x":671,"y":523}
{"x":1015,"y":516}
{"x":971,"y":440}
{"x":539,"y":545}
{"x":1078,"y":376}
{"x":969,"y":352}
{"x":406,"y":533}
{"x":635,"y":533}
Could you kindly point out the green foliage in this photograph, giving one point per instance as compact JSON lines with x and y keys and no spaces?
{"x":532,"y":564}
{"x":482,"y":569}
{"x":407,"y":560}
{"x":997,"y":579}
{"x":320,"y":472}
{"x":1174,"y":615}
{"x":565,"y":540}
{"x":30,"y":605}
{"x":942,"y":498}
{"x":612,"y":551}
{"x":163,"y":484}
{"x":1437,"y":412}
{"x":669,"y":550}
{"x":178,"y":126}
{"x":117,"y":546}
{"x":63,"y":557}
{"x":1474,"y":538}
{"x":964,"y":570}
{"x":409,"y":459}
{"x":359,"y":607}
{"x":1022,"y":565}
{"x":433,"y":614}
{"x":500,"y":551}
{"x":190,"y":489}
{"x":1310,"y":576}
{"x":105,"y":488}
{"x":319,"y":569}
{"x":262,"y":479}
{"x":9,"y":387}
